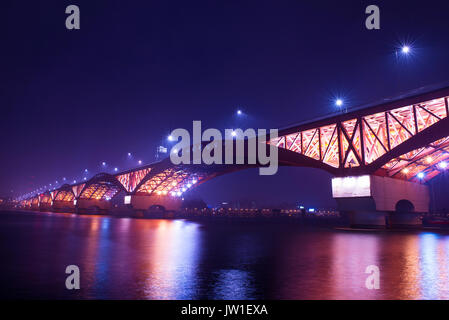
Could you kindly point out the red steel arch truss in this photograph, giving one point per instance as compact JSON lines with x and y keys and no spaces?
{"x":361,"y":140}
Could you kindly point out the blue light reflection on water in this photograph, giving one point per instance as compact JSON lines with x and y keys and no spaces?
{"x":434,"y":265}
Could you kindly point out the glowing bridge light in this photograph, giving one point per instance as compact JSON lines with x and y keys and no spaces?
{"x":170,"y":138}
{"x":405,"y":49}
{"x":429,"y":159}
{"x":405,"y":171}
{"x":311,"y":210}
{"x":189,"y":185}
{"x":84,"y":178}
{"x":173,"y":194}
{"x":443,"y":165}
{"x":194,"y":181}
{"x":420,"y":175}
{"x":115,"y":169}
{"x":158,"y":193}
{"x":183,"y":189}
{"x":338,"y":102}
{"x":85,"y":170}
{"x":350,"y":187}
{"x":233,"y":133}
{"x":239,"y":112}
{"x":178,"y":193}
{"x":129,"y":154}
{"x":103,"y":164}
{"x":140,"y":161}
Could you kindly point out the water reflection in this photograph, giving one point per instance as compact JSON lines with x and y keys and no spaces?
{"x":177,"y":259}
{"x":171,"y":260}
{"x":233,"y":285}
{"x":433,"y":266}
{"x":351,"y":255}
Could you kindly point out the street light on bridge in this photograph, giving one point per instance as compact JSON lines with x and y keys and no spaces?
{"x":405,"y":49}
{"x":339,"y":103}
{"x":443,"y":165}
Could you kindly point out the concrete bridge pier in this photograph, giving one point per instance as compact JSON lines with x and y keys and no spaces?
{"x":153,"y":205}
{"x":34,"y":205}
{"x":380,"y":202}
{"x":92,"y":206}
{"x":44,"y":206}
{"x":63,"y":206}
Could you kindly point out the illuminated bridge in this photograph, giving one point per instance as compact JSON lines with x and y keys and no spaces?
{"x":381,"y":156}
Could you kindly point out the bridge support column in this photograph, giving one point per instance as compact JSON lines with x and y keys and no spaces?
{"x":145,"y":205}
{"x":63,"y":206}
{"x":373,"y":201}
{"x":91,"y":206}
{"x":43,"y":206}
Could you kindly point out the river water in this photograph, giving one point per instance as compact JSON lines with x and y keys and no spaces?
{"x":123,"y":258}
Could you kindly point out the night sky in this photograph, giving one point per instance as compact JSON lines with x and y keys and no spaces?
{"x":71,"y":99}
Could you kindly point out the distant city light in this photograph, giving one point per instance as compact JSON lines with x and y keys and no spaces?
{"x":170,"y":138}
{"x":74,"y":181}
{"x":140,"y":161}
{"x":129,"y":154}
{"x":311,"y":210}
{"x":103,"y":164}
{"x":194,"y":181}
{"x":405,"y":49}
{"x":178,"y":193}
{"x":239,"y":112}
{"x":84,"y":178}
{"x":420,"y":175}
{"x":115,"y":169}
{"x":85,"y":170}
